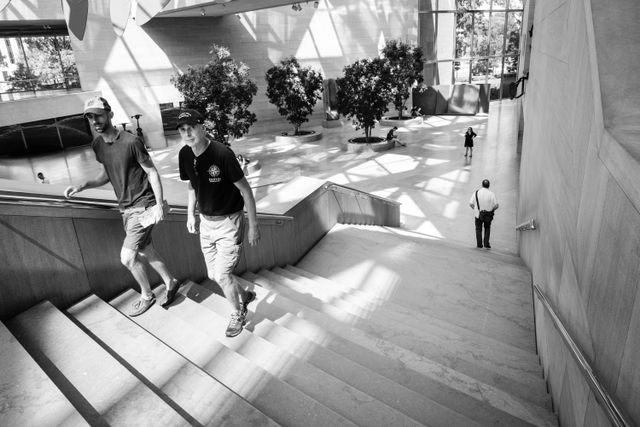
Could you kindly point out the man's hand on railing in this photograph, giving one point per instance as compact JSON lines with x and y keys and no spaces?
{"x":71,"y":190}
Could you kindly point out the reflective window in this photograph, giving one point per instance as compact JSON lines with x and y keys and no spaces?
{"x":474,"y":41}
{"x":36,"y":64}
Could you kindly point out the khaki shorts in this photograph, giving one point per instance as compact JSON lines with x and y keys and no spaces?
{"x":137,"y":237}
{"x":221,"y":241}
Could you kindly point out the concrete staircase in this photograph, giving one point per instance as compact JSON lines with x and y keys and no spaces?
{"x":316,"y":350}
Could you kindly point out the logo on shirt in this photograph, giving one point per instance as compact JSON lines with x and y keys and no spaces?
{"x":214,"y":174}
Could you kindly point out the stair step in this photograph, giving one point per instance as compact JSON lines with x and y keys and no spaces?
{"x":466,"y":291}
{"x":427,"y":368}
{"x":100,"y":388}
{"x":203,"y":399}
{"x":347,"y":401}
{"x":455,"y":333}
{"x":505,"y":259}
{"x":364,"y":299}
{"x":243,"y":377}
{"x":389,"y":392}
{"x":484,"y":364}
{"x":28,"y":396}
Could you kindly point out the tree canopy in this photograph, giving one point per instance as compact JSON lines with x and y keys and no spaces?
{"x":364,"y":92}
{"x":294,"y":90}
{"x":406,"y":63}
{"x":222,"y":90}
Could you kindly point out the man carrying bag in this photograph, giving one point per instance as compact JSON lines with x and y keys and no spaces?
{"x":484,"y":203}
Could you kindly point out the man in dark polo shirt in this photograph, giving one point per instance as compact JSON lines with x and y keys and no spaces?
{"x":125,"y":163}
{"x":218,"y":187}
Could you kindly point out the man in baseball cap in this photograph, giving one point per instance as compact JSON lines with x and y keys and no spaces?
{"x":189,"y":117}
{"x":96,"y":105}
{"x":217,"y":186}
{"x":126,"y":164}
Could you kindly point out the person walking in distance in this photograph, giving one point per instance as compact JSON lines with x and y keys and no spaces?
{"x":468,"y":142}
{"x":125,"y":163}
{"x":218,"y":187}
{"x":484,"y":203}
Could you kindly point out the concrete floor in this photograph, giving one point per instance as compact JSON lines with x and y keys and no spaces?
{"x":430,"y":177}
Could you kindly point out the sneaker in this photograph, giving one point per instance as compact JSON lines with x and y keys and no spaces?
{"x":142,"y":305}
{"x":171,"y":294}
{"x":251,"y":296}
{"x":235,"y":324}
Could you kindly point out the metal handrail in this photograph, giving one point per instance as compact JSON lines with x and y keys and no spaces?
{"x":26,"y":199}
{"x":528,"y":225}
{"x":614,"y":413}
{"x":353,"y":191}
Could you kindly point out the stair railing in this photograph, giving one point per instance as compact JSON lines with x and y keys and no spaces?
{"x":527,"y":225}
{"x":32,"y":199}
{"x":353,"y":192}
{"x":603,"y":397}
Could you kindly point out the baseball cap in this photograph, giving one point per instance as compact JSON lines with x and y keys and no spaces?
{"x":190,"y":117}
{"x":96,"y":105}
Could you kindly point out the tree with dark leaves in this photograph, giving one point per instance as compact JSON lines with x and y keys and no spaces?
{"x":294,"y":90}
{"x":222,"y":90}
{"x":365,"y":92}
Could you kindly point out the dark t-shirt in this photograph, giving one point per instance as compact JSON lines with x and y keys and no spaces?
{"x":121,"y":159}
{"x":390,"y":135}
{"x":212,"y":175}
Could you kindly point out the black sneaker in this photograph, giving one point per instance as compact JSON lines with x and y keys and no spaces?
{"x":235,"y":324}
{"x":251,"y":296}
{"x":142,"y":305}
{"x":170,"y":295}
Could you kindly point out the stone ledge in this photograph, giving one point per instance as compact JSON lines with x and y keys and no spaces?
{"x":359,"y":147}
{"x":413,"y":121}
{"x":313,"y":136}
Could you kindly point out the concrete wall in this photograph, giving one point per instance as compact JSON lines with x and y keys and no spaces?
{"x":133,"y":71}
{"x":578,"y":181}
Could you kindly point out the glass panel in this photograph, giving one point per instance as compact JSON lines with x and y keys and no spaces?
{"x":474,"y":4}
{"x":464,"y":29}
{"x":19,"y":77}
{"x":445,"y":73}
{"x":74,"y":131}
{"x":495,"y":74}
{"x":446,"y":4}
{"x":427,"y":5}
{"x":445,"y":43}
{"x":37,"y":63}
{"x":499,"y":4}
{"x":479,"y":70}
{"x":515,"y":4}
{"x":41,"y":136}
{"x":481,"y":36}
{"x":497,"y":33}
{"x":511,"y":65}
{"x":514,"y":26}
{"x":44,"y":61}
{"x":69,"y":69}
{"x":461,"y":73}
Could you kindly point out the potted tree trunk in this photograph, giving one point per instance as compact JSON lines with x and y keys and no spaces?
{"x":294,"y":90}
{"x":364,"y":92}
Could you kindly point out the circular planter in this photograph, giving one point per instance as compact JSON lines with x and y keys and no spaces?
{"x":391,"y":121}
{"x":302,"y":137}
{"x":358,"y":145}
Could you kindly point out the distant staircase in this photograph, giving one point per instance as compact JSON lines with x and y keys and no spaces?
{"x":315,"y":352}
